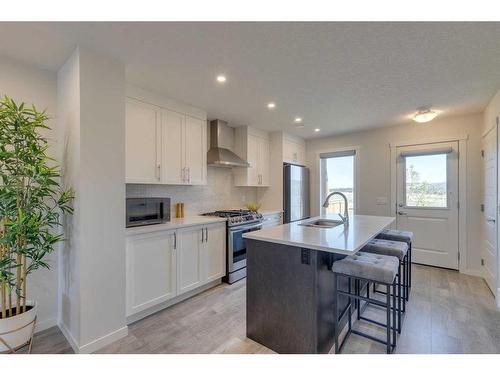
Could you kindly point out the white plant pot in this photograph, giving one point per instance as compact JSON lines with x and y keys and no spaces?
{"x":20,"y":328}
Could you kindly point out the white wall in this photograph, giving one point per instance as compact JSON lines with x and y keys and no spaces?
{"x":35,"y":86}
{"x":91,"y":90}
{"x":375,"y":169}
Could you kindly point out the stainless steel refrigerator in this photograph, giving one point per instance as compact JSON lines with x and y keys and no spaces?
{"x":295,"y":192}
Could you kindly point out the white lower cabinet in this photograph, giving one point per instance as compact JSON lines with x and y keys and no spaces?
{"x":163,"y":265}
{"x":213,"y":260}
{"x":189,"y":259}
{"x":151,"y":270}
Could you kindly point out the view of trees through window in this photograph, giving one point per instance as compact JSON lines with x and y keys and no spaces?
{"x":340,"y":177}
{"x":426,"y":184}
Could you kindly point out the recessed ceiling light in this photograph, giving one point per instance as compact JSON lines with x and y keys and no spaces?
{"x":221,"y":78}
{"x":424,"y":115}
{"x":298,"y":119}
{"x":317,"y":130}
{"x":271,"y":105}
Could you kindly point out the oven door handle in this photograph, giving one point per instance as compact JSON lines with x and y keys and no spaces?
{"x":237,"y":229}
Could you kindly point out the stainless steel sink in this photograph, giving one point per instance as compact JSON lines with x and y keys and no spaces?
{"x":322,"y":223}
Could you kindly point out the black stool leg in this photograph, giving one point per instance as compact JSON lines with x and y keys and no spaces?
{"x":409,"y":265}
{"x":399,"y":299}
{"x":388,"y":317}
{"x":335,"y":314}
{"x":358,"y":292}
{"x":350,"y":304}
{"x":394,"y":336}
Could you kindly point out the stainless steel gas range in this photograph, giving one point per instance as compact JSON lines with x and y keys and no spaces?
{"x":239,"y":222}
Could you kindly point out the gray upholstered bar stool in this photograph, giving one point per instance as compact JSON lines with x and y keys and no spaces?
{"x":396,"y":249}
{"x":402,"y":236}
{"x":369,"y":268}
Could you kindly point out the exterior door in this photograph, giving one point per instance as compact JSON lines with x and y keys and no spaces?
{"x":172,"y":159}
{"x":489,"y":219}
{"x":427,"y":201}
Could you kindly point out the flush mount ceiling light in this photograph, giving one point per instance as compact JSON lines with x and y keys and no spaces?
{"x":317,"y":130}
{"x":298,"y":120}
{"x":271,"y":105}
{"x":424,"y":115}
{"x":221,"y":78}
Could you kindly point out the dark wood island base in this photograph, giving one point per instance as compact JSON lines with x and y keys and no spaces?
{"x":290,"y":297}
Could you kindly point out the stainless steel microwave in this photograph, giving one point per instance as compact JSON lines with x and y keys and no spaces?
{"x":147,"y":211}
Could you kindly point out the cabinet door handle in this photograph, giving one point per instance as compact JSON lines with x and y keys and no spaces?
{"x":183,"y":174}
{"x":158,"y":172}
{"x":175,"y":240}
{"x":206,"y":238}
{"x":202,"y":235}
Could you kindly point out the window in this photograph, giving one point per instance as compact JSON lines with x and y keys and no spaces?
{"x":338,"y":174}
{"x":426,"y":181}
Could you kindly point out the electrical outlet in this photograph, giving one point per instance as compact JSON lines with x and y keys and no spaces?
{"x":381,"y":200}
{"x":243,"y":199}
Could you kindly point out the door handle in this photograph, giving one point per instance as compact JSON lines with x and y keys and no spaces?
{"x":402,"y":213}
{"x":491,"y":220}
{"x":206,"y":238}
{"x":175,"y":240}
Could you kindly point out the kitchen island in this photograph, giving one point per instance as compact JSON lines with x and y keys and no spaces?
{"x":290,"y":284}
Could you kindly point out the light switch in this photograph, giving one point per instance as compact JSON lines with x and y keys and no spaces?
{"x":381,"y":200}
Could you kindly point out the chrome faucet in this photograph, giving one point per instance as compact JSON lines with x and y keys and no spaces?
{"x":345,"y":217}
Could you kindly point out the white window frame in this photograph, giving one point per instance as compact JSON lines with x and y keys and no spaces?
{"x":321,"y":171}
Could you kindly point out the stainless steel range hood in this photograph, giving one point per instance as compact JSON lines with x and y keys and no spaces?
{"x":221,"y":139}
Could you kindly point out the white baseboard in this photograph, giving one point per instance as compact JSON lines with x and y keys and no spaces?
{"x":69,"y":337}
{"x":101,"y":342}
{"x":472,"y":272}
{"x":45,"y":324}
{"x":154,"y":309}
{"x":97,"y":343}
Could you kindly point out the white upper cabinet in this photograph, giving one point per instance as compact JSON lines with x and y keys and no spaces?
{"x":195,"y":151}
{"x":164,"y":145}
{"x":294,"y":150}
{"x":142,"y":145}
{"x":252,"y":145}
{"x":172,"y":125}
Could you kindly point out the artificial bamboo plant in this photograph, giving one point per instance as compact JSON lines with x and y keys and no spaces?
{"x":32,"y":201}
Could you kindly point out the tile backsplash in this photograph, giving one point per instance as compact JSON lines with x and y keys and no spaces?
{"x":219,"y":193}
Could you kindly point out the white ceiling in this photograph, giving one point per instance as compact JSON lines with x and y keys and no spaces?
{"x":339,"y":77}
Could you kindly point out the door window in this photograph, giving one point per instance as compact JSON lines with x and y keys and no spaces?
{"x":426,"y":181}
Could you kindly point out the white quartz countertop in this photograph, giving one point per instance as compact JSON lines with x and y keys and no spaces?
{"x":188,"y":221}
{"x":342,"y":239}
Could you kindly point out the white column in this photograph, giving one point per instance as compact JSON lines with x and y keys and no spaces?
{"x":91,"y":115}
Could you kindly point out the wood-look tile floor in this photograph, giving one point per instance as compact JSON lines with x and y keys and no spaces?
{"x":448,"y":313}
